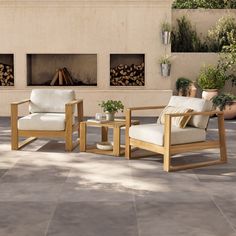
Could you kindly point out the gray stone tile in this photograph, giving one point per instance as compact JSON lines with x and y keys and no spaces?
{"x":76,"y":192}
{"x":175,"y":219}
{"x":2,"y":172}
{"x":91,"y":218}
{"x":24,"y":192}
{"x":24,"y":218}
{"x":35,"y":174}
{"x":228,"y":208}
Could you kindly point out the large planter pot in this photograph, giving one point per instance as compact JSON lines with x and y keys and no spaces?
{"x":165,"y":70}
{"x":165,"y":37}
{"x":208,"y":94}
{"x":110,"y":116}
{"x":230,"y":111}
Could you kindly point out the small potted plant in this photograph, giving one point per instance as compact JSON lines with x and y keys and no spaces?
{"x":110,"y":107}
{"x":226,"y":102}
{"x":165,"y":32}
{"x":210,"y":80}
{"x":185,"y":87}
{"x":165,"y":66}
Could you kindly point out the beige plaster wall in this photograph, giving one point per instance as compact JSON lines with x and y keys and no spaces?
{"x":202,"y":19}
{"x":101,"y":27}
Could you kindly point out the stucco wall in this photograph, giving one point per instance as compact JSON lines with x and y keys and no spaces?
{"x":100,"y":27}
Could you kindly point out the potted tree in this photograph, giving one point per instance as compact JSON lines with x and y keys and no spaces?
{"x":165,"y":32}
{"x":110,"y":107}
{"x":165,"y":65}
{"x":211,"y":80}
{"x":226,"y":102}
{"x":185,"y":87}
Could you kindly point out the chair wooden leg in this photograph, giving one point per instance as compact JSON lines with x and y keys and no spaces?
{"x":223,"y":152}
{"x":14,"y":128}
{"x":83,"y":131}
{"x":127,"y":138}
{"x":69,"y":129}
{"x":167,"y":160}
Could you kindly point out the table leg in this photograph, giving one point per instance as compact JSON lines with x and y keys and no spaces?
{"x":83,"y":132}
{"x":104,"y":134}
{"x":116,"y":140}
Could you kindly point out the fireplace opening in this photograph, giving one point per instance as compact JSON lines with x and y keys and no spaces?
{"x":6,"y":70}
{"x":61,"y":69}
{"x":127,"y":70}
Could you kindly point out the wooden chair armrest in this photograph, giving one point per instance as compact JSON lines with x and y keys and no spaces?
{"x":20,"y":102}
{"x":69,"y":109}
{"x":74,"y":102}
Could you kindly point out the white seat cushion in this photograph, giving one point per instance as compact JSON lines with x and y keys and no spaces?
{"x":49,"y":100}
{"x":197,"y":104}
{"x":43,"y":121}
{"x":153,"y":133}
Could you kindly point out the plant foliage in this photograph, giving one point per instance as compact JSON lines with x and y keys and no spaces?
{"x":111,"y":106}
{"x":185,"y":38}
{"x":212,"y":4}
{"x":211,"y":78}
{"x":223,"y":99}
{"x":221,"y":34}
{"x":182,"y":85}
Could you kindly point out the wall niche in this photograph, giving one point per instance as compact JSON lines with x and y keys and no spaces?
{"x":6,"y":70}
{"x":127,"y":70}
{"x":61,"y":69}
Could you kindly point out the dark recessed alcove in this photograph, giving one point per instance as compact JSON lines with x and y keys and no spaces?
{"x":6,"y":70}
{"x":61,"y":69}
{"x":127,"y":70}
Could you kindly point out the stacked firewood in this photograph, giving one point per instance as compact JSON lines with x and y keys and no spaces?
{"x":62,"y":77}
{"x":127,"y":75}
{"x":6,"y":75}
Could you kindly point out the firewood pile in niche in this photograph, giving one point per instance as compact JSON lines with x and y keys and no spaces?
{"x":62,"y":77}
{"x":6,"y":75}
{"x":127,"y":75}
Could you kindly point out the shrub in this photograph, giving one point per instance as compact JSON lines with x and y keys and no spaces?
{"x":213,"y":4}
{"x":220,"y":35}
{"x":211,"y":78}
{"x":185,"y":39}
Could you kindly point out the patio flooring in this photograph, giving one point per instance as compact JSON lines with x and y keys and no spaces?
{"x":45,"y":192}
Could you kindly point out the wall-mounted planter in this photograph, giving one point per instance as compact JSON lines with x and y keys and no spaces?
{"x":165,"y":69}
{"x":165,"y":37}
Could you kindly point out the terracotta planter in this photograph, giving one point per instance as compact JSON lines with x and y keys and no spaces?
{"x":230,"y":111}
{"x":208,"y":94}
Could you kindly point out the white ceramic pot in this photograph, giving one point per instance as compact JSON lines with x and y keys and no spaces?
{"x":208,"y":94}
{"x":110,"y":116}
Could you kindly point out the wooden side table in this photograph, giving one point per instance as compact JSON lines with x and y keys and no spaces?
{"x":115,"y":125}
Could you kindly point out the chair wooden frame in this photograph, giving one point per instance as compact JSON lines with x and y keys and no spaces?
{"x":34,"y":134}
{"x":167,"y":149}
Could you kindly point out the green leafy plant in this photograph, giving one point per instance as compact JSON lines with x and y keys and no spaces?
{"x":213,"y":4}
{"x":221,"y":34}
{"x":165,"y":60}
{"x":223,"y":100}
{"x":166,"y":26}
{"x":185,"y":38}
{"x":211,"y":77}
{"x":182,"y":85}
{"x":111,"y":106}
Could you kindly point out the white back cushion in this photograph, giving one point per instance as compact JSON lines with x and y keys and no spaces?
{"x":48,"y":100}
{"x":197,"y":104}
